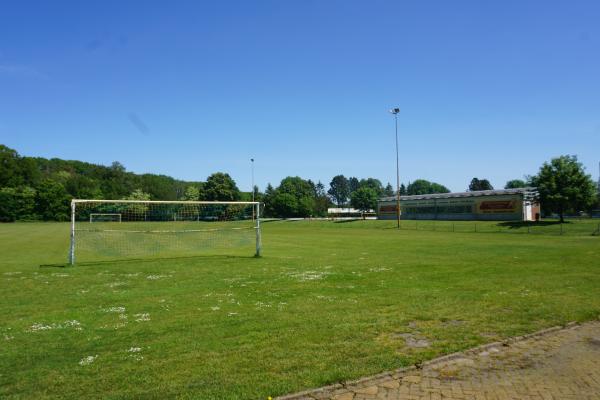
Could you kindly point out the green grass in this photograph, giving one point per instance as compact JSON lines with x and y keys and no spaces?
{"x":327,"y":302}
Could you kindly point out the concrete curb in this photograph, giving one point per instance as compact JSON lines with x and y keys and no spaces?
{"x":343,"y":387}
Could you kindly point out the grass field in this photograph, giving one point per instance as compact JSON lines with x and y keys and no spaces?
{"x":327,"y":302}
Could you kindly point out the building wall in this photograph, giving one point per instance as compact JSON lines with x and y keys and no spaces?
{"x":492,"y":208}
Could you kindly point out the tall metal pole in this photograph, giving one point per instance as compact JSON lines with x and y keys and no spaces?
{"x":252,"y":161}
{"x":252,"y":168}
{"x":395,"y":111}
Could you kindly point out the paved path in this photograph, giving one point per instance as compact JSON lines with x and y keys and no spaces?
{"x":553,"y":364}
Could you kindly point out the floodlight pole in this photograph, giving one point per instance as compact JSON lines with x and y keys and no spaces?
{"x":395,"y":111}
{"x":252,"y":169}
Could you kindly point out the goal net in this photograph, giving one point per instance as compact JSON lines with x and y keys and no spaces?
{"x":121,"y":229}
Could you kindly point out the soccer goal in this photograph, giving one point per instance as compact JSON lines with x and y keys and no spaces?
{"x":105,"y":217}
{"x":121,"y":229}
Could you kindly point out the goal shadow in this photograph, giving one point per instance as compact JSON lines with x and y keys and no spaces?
{"x":149,"y":260}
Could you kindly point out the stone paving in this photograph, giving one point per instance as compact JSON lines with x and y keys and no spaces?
{"x":554,"y":364}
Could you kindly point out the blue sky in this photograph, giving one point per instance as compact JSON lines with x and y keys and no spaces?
{"x":486,"y":89}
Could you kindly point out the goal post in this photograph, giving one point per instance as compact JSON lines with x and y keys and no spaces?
{"x":121,"y":229}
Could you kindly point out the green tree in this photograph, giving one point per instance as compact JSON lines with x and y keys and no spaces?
{"x":364,"y":199}
{"x":402,"y":190}
{"x":192,"y":193}
{"x":423,"y":186}
{"x":321,"y":200}
{"x":17,"y":204}
{"x":296,"y":186}
{"x":26,"y":203}
{"x":515,"y":184}
{"x":284,"y":205}
{"x":83,"y":187}
{"x":52,"y":201}
{"x":268,"y":200}
{"x":372,"y":183}
{"x":8,"y":204}
{"x":138,"y":194}
{"x":389,"y":190}
{"x":294,"y":197}
{"x":353,"y":184}
{"x":480,"y":184}
{"x":10,"y":174}
{"x":564,"y":186}
{"x":339,"y":189}
{"x":221,"y":187}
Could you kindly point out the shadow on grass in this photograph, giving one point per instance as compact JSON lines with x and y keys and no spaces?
{"x":147,"y":260}
{"x":524,"y":224}
{"x":345,"y":221}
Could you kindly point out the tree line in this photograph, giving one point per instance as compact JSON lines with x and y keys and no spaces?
{"x":36,"y":188}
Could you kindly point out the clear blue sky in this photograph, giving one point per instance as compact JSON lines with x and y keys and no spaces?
{"x":486,"y":89}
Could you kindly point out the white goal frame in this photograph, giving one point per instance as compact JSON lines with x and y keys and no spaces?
{"x":104,"y":214}
{"x":255,"y":216}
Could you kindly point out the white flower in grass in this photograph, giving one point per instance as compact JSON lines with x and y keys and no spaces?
{"x":134,"y":350}
{"x":156,"y":277}
{"x":119,"y":310}
{"x":142,"y":317}
{"x":88,"y":360}
{"x":40,"y":327}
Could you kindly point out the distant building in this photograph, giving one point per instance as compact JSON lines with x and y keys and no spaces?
{"x":349,"y":213}
{"x":490,"y":205}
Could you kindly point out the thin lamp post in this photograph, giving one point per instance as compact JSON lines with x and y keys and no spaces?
{"x":395,"y":111}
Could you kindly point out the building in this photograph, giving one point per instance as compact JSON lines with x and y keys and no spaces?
{"x":492,"y":205}
{"x":349,"y":213}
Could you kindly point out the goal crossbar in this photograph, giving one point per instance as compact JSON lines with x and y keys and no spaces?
{"x":204,"y":224}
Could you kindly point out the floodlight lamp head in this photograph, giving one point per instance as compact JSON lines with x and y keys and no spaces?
{"x":395,"y":110}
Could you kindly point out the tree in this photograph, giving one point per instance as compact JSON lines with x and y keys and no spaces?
{"x":515,"y":184}
{"x":339,"y":189}
{"x":9,"y":167}
{"x":268,"y":200}
{"x":192,"y":193}
{"x":372,"y":183}
{"x":8,"y":204}
{"x":389,"y":190}
{"x":284,"y":205}
{"x":353,"y":184}
{"x":138,"y":194}
{"x":480,"y":184}
{"x":423,"y":186}
{"x":220,"y":187}
{"x":364,"y":199}
{"x":321,"y":200}
{"x":17,"y":204}
{"x":303,"y":193}
{"x":402,"y":189}
{"x":564,"y":186}
{"x":83,"y":187}
{"x":137,"y":209}
{"x":52,"y":201}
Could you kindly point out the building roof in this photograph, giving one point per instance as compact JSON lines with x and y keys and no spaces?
{"x":529,"y":193}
